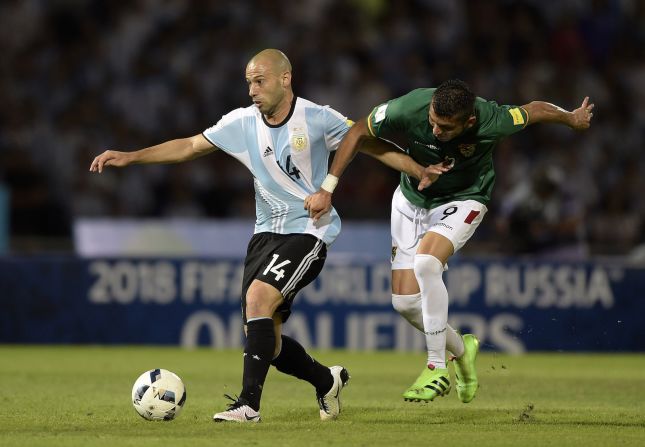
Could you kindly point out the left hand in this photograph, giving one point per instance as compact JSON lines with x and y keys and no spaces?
{"x":581,"y":117}
{"x":318,"y":204}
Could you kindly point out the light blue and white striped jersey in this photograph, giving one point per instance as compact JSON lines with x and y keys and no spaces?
{"x":288,"y":161}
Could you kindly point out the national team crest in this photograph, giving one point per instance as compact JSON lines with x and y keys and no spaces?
{"x":467,"y":150}
{"x":299,"y":140}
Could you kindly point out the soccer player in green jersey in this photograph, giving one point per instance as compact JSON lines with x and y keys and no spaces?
{"x":446,"y":125}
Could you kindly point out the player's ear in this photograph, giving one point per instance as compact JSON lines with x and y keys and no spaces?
{"x":286,"y":79}
{"x":470,"y":122}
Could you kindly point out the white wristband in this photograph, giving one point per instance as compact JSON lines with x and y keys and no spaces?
{"x":329,"y":184}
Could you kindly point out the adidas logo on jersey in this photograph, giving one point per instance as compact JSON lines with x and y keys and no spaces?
{"x":268,"y":151}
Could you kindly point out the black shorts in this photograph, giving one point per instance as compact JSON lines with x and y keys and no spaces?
{"x":286,"y":261}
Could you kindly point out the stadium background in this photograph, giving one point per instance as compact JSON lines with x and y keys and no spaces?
{"x":559,"y":255}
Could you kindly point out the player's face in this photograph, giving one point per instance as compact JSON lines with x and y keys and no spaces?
{"x":265,"y":87}
{"x":446,"y":128}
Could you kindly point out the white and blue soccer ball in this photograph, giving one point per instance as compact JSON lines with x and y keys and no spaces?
{"x":158,"y":395}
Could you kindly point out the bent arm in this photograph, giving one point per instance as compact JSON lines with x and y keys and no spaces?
{"x":391,"y":156}
{"x":349,"y":146}
{"x":172,"y":151}
{"x":544,"y":112}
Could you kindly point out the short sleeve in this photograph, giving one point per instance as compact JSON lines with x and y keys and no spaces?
{"x":384,"y":119}
{"x":228,"y":133}
{"x":504,"y":120}
{"x":336,"y":126}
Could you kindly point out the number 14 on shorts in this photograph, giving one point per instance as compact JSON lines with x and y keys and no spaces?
{"x":277,"y":270}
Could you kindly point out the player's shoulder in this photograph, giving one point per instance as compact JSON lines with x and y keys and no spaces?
{"x":241,"y":112}
{"x":420,"y":94}
{"x":233,"y":119}
{"x":408,"y":109}
{"x":494,"y":118}
{"x":322,"y":112}
{"x":484,"y":109}
{"x":417,"y":98}
{"x":304,"y":102}
{"x":308,"y":104}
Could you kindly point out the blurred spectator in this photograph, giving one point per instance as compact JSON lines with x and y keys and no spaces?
{"x":540,"y":217}
{"x":77,"y":77}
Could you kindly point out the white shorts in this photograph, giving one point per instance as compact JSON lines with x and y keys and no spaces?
{"x":456,"y":220}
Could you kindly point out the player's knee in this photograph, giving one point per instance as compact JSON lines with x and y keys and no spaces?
{"x":262,"y":300}
{"x":427,"y":265}
{"x":406,"y":305}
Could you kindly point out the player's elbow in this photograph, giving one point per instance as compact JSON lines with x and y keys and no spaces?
{"x":196,"y":147}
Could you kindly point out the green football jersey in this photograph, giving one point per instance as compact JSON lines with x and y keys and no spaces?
{"x":404,"y":121}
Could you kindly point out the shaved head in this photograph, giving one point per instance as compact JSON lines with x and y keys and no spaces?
{"x":274,"y":60}
{"x":268,"y":75}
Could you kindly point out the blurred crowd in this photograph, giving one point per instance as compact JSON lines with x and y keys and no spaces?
{"x":81,"y":76}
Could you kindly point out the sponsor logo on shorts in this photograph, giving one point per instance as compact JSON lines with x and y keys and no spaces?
{"x":393,"y":252}
{"x":445,"y":225}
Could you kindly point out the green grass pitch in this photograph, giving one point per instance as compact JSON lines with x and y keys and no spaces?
{"x":80,"y":396}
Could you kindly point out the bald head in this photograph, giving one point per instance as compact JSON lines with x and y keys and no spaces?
{"x":268,"y":75}
{"x":273,"y":60}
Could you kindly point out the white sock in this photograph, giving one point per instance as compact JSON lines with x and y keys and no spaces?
{"x":454,"y":342}
{"x":409,"y":307}
{"x":434,"y":304}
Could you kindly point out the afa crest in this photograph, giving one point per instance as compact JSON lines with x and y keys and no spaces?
{"x":299,"y":140}
{"x":467,"y":150}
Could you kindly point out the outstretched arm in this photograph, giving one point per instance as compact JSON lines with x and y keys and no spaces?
{"x":544,"y":112}
{"x":173,"y":151}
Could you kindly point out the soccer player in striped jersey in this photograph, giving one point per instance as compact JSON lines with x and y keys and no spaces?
{"x":285,"y":142}
{"x":446,"y":125}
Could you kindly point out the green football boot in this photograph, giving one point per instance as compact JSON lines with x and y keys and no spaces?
{"x":430,"y":384}
{"x":465,"y":371}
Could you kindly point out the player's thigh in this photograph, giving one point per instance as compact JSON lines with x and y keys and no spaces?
{"x":436,"y":245}
{"x":285,"y":262}
{"x":405,"y":232}
{"x":404,"y":282}
{"x":450,"y":226}
{"x":261,"y":299}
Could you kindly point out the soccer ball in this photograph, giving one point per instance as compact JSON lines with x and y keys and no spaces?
{"x":158,"y":395}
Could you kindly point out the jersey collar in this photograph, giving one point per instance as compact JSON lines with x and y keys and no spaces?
{"x":287,"y":118}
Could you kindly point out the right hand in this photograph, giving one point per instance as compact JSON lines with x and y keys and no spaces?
{"x":432,"y":172}
{"x":110,"y":158}
{"x":318,"y":204}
